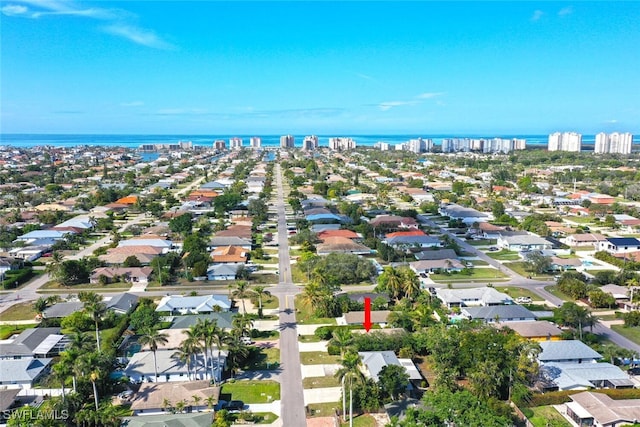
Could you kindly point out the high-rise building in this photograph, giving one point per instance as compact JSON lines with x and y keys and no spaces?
{"x":341,"y":143}
{"x":615,"y":143}
{"x":310,"y":143}
{"x":220,"y":144}
{"x":287,"y":141}
{"x":255,"y":142}
{"x":420,"y":145}
{"x":382,"y":146}
{"x":566,"y":141}
{"x":235,"y":143}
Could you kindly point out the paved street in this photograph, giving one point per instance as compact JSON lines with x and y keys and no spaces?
{"x":291,"y":391}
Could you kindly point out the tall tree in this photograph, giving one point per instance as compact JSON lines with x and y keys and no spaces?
{"x":153,"y":338}
{"x":241,"y":292}
{"x":260,"y":291}
{"x":95,"y":308}
{"x":348,"y":374}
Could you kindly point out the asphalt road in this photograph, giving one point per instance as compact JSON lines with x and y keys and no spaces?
{"x":291,"y":391}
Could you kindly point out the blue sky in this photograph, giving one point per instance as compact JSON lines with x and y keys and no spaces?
{"x":208,"y":67}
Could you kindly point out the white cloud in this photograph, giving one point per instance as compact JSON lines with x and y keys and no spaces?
{"x":385,"y":106}
{"x":132,"y":104}
{"x":565,"y":11}
{"x":139,"y":36}
{"x":429,"y":95}
{"x":14,"y":10}
{"x":118,"y":20}
{"x":537,"y":14}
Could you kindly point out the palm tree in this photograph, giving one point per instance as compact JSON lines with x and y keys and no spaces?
{"x":394,"y":282}
{"x":241,"y":326}
{"x":237,"y":352}
{"x":80,"y":341}
{"x":96,"y":309}
{"x":350,"y":371}
{"x":410,"y":283}
{"x":62,"y":371}
{"x":53,"y":267}
{"x":220,"y":338}
{"x":260,"y":291}
{"x":152,"y":338}
{"x":241,"y":292}
{"x":166,"y":403}
{"x":196,"y":401}
{"x":189,"y":347}
{"x":95,"y":376}
{"x":312,"y":294}
{"x":180,"y":406}
{"x":204,"y":330}
{"x":211,"y":400}
{"x":342,"y":338}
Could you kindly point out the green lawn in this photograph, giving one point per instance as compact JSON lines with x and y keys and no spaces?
{"x":584,"y":220}
{"x":542,"y":415}
{"x":7,"y":331}
{"x":257,"y":417}
{"x":262,"y":358}
{"x":251,"y":391}
{"x":324,"y":409}
{"x":504,"y":255}
{"x":486,"y":274}
{"x":521,"y":268}
{"x":317,"y":358}
{"x":19,"y":311}
{"x":514,"y":292}
{"x":555,"y":291}
{"x":304,"y":315}
{"x":483,"y":242}
{"x":320,"y":382}
{"x":308,"y":338}
{"x":53,"y":285}
{"x":363,"y":420}
{"x":268,"y":302}
{"x":632,"y":333}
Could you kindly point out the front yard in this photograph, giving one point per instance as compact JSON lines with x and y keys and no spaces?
{"x":632,"y":333}
{"x":263,"y":391}
{"x":318,"y":358}
{"x":544,"y":416}
{"x":19,"y":311}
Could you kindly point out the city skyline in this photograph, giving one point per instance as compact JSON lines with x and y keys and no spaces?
{"x":319,"y":67}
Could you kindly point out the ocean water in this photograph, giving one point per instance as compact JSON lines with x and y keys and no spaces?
{"x":134,"y":141}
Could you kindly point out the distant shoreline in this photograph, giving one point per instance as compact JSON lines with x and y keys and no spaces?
{"x":135,"y":141}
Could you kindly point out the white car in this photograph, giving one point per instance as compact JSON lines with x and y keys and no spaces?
{"x":523,"y":300}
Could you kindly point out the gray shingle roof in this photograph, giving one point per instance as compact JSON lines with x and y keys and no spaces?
{"x":557,"y":351}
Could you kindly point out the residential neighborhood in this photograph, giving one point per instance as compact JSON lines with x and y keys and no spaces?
{"x":202,"y":287}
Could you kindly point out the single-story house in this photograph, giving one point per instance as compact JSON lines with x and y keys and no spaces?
{"x":374,"y":361}
{"x":62,"y":309}
{"x":193,"y":419}
{"x":224,"y":241}
{"x":378,"y":317}
{"x":539,"y":330}
{"x":466,"y":215}
{"x":229,"y":254}
{"x":341,"y":245}
{"x":582,"y":376}
{"x":223,"y":271}
{"x":393,"y":221}
{"x":435,"y":254}
{"x":34,"y":342}
{"x":224,"y":320}
{"x":567,"y":351}
{"x":144,"y":253}
{"x":406,"y":242}
{"x":153,"y":398}
{"x":618,"y":245}
{"x":123,"y":303}
{"x":520,"y":243}
{"x":598,"y":409}
{"x":24,"y":372}
{"x":472,"y":297}
{"x":563,"y":264}
{"x":124,"y":274}
{"x":585,"y":239}
{"x":178,"y":304}
{"x":431,"y":266}
{"x":499,"y":313}
{"x":140,"y":367}
{"x":42,"y":234}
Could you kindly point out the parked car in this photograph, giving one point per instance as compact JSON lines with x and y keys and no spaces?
{"x":246,"y":340}
{"x":523,"y":300}
{"x":234,"y":405}
{"x":493,"y":249}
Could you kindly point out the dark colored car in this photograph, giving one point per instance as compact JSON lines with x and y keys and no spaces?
{"x":234,"y":405}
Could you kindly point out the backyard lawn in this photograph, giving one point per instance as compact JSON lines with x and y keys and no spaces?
{"x":521,"y":268}
{"x":7,"y":331}
{"x":263,"y":391}
{"x":486,"y":274}
{"x":543,"y":415}
{"x":324,"y":409}
{"x":19,"y":311}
